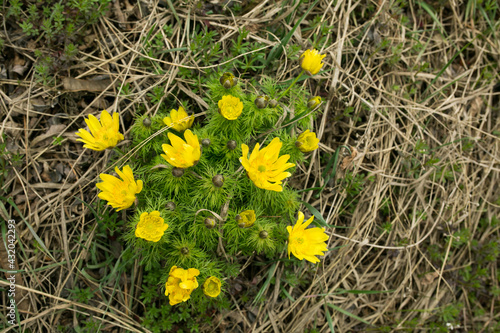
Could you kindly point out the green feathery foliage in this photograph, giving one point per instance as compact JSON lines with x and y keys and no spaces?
{"x":201,"y":203}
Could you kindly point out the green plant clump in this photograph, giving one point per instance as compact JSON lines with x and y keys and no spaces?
{"x":203,"y":190}
{"x":202,"y":206}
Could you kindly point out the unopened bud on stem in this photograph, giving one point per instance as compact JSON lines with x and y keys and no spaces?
{"x":209,"y":223}
{"x":227,"y":80}
{"x":261,"y":102}
{"x":170,"y":205}
{"x":205,"y":142}
{"x":146,"y":122}
{"x":177,"y":172}
{"x":231,"y":145}
{"x":218,"y":180}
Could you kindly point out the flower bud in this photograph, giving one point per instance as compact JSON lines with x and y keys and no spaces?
{"x":231,"y":145}
{"x":246,"y":218}
{"x":205,"y":142}
{"x":313,"y":102}
{"x":218,"y":180}
{"x":238,"y":218}
{"x":263,"y":234}
{"x":170,"y":205}
{"x":310,"y":61}
{"x":177,"y":172}
{"x":228,"y":80}
{"x":209,"y":223}
{"x":273,"y":103}
{"x":184,"y":250}
{"x":146,"y":122}
{"x":307,"y":141}
{"x":261,"y":102}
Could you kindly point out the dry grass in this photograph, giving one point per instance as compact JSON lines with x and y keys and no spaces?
{"x":455,"y":112}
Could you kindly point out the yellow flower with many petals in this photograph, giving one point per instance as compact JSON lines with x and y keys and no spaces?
{"x":247,"y":218}
{"x":182,"y":154}
{"x":151,"y":226}
{"x":211,"y":287}
{"x":179,"y":120}
{"x":310,"y":61}
{"x":120,"y":194}
{"x":264,"y":167}
{"x":306,"y":243}
{"x":307,"y":141}
{"x":104,"y":134}
{"x":181,"y":282}
{"x":230,"y":107}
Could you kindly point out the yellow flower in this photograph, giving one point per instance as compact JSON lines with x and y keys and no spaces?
{"x":310,"y":61}
{"x":264,"y":167}
{"x":182,"y":154}
{"x":151,"y":226}
{"x":306,"y":243}
{"x":179,"y":120}
{"x":181,"y":282}
{"x":307,"y":141}
{"x":105,"y":134}
{"x":119,"y":194}
{"x":230,"y":107}
{"x":211,"y":287}
{"x":247,"y":218}
{"x":314,"y":102}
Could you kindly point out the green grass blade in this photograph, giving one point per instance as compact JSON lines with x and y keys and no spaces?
{"x":30,"y":228}
{"x":173,"y":50}
{"x":278,"y":48}
{"x":369,"y":292}
{"x":432,"y":13}
{"x":328,"y":318}
{"x":36,"y":269}
{"x":266,"y":284}
{"x":356,"y":292}
{"x":444,"y":68}
{"x":172,"y":8}
{"x":487,"y":18}
{"x":347,"y":313}
{"x":332,"y":164}
{"x":316,"y":214}
{"x":287,"y":294}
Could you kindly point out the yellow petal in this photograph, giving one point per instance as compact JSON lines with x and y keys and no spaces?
{"x":168,"y":121}
{"x":176,"y":142}
{"x":116,"y":123}
{"x":93,"y":124}
{"x":255,"y":153}
{"x":106,"y":119}
{"x":139,"y":186}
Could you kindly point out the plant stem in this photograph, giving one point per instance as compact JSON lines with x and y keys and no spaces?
{"x":291,"y":85}
{"x":119,"y":151}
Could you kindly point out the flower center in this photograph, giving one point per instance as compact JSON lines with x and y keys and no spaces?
{"x":300,"y":240}
{"x":211,"y":287}
{"x":151,"y":225}
{"x":261,"y":168}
